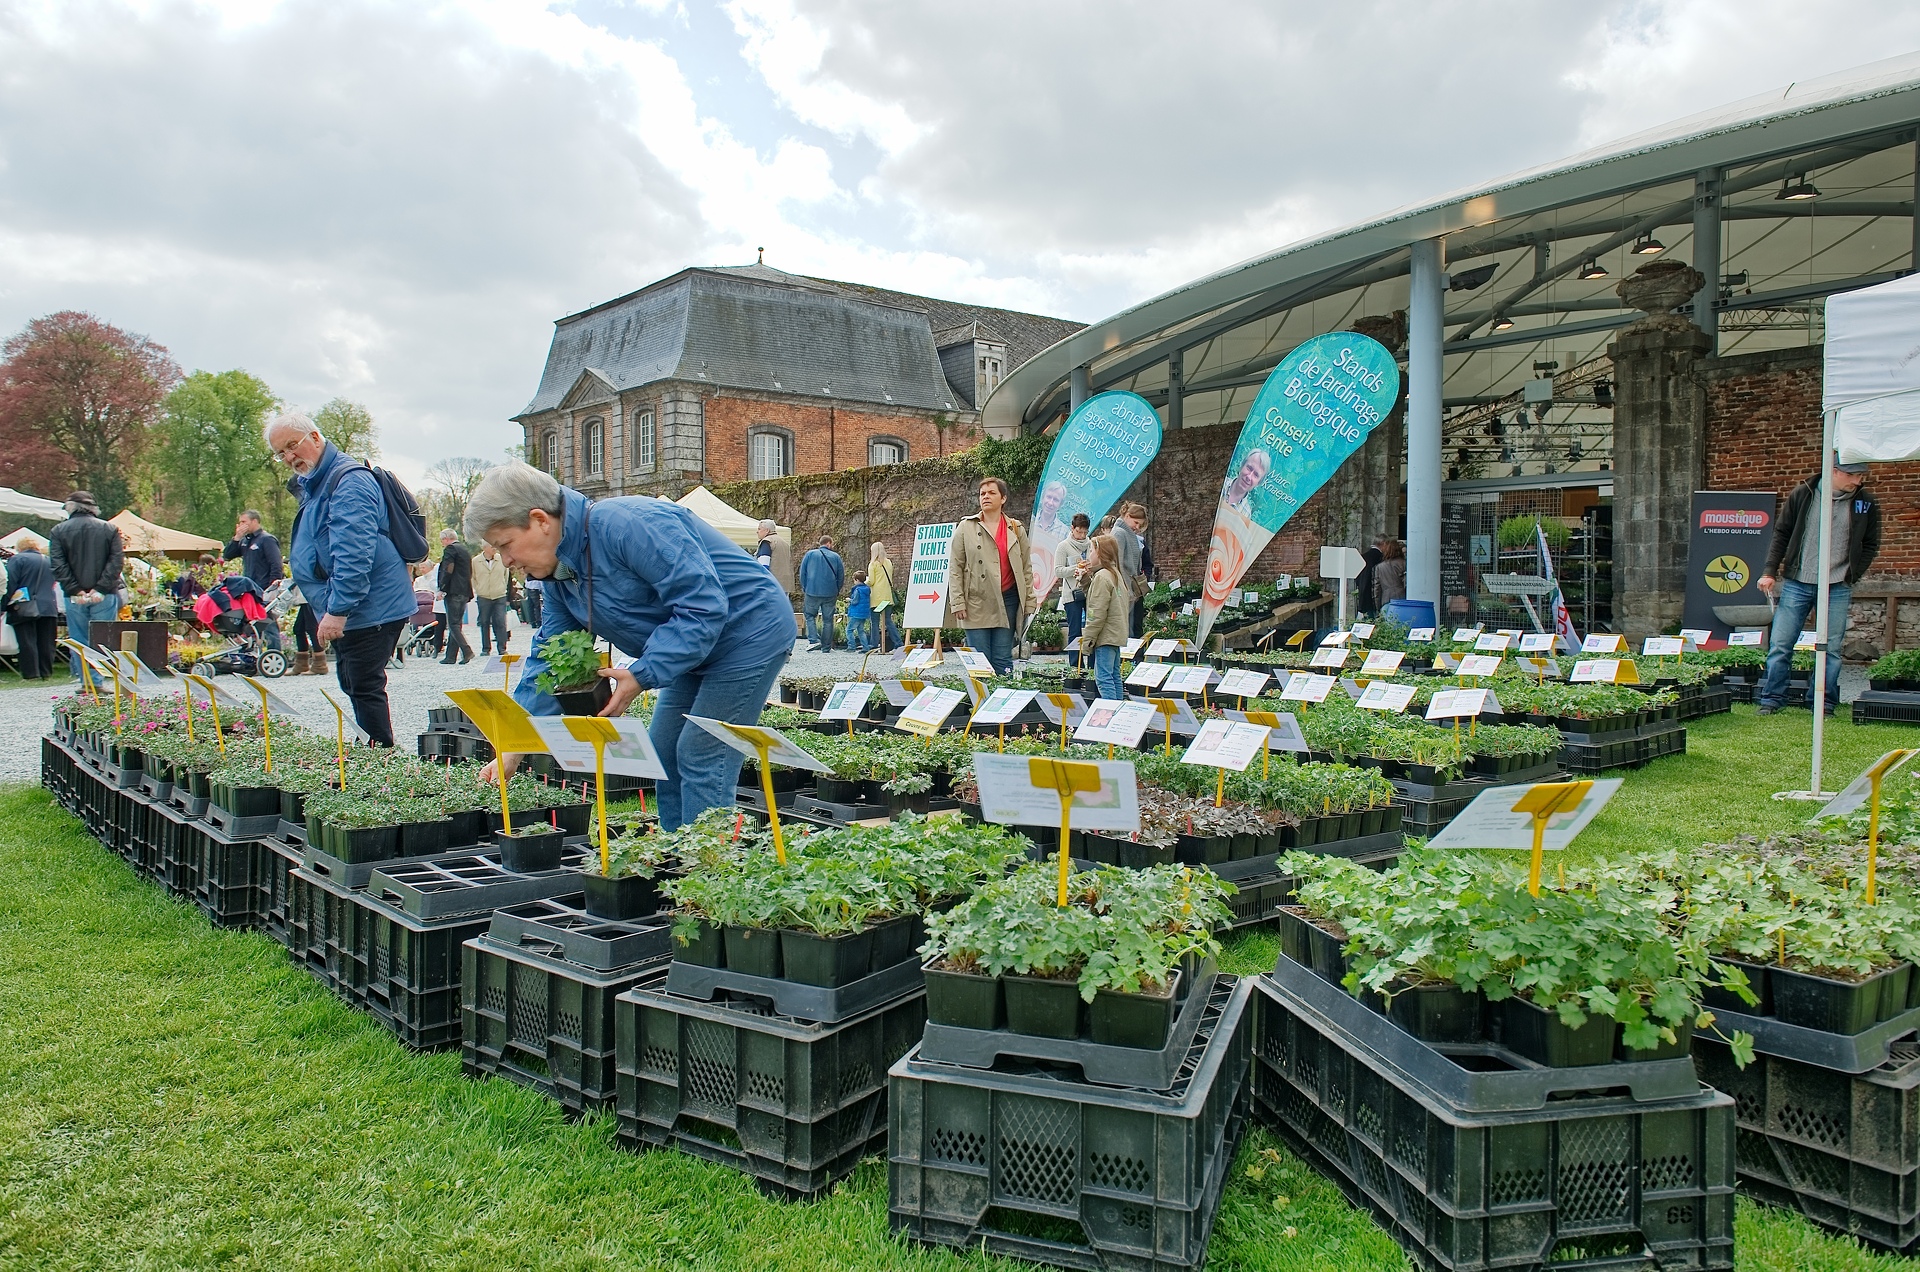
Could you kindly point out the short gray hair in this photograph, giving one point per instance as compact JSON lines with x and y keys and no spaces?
{"x":767,"y":527}
{"x":288,"y":420}
{"x":507,"y":495}
{"x":447,"y":534}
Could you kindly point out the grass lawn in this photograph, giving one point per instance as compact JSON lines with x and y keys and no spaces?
{"x":172,"y":1096}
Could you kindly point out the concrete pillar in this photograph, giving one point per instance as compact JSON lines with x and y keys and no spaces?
{"x":1659,"y":447}
{"x":1078,"y":389}
{"x":1706,"y":253}
{"x":1424,"y":357}
{"x":1176,"y":388}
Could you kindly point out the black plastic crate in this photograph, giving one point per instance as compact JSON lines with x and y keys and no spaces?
{"x":1647,"y":744}
{"x":1599,"y":1179}
{"x":473,"y":883}
{"x":543,"y":1022}
{"x":273,"y":877}
{"x":1887,"y":706}
{"x":1708,"y":702}
{"x":794,"y":1104}
{"x":326,"y":935}
{"x":225,"y":885}
{"x":1843,"y":1149}
{"x":412,"y":968}
{"x":1024,"y":1162}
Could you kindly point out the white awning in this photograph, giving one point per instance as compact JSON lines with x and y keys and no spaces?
{"x":1872,"y":379}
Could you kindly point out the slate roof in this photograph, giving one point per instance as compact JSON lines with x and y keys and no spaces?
{"x":756,"y":327}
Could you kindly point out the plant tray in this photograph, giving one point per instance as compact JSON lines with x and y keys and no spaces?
{"x":1844,"y":1053}
{"x":801,"y":1002}
{"x":1841,"y":1148}
{"x":1301,"y":1009}
{"x":751,"y":797}
{"x":561,"y":928}
{"x":468,"y":884}
{"x":261,"y":827}
{"x":227,"y":878}
{"x":358,"y":874}
{"x":1708,"y":703}
{"x":843,"y":814}
{"x":792,"y":1103}
{"x":1124,"y":1179}
{"x":1467,"y":788}
{"x":1633,"y":752}
{"x":1885,"y":706}
{"x":542,"y":1022}
{"x":1101,"y":1065}
{"x":324,"y":935}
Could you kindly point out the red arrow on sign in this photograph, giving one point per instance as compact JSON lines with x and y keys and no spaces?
{"x":929,"y":596}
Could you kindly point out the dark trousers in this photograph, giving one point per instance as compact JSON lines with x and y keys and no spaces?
{"x":36,"y":637}
{"x":456,"y":643}
{"x":530,"y":608}
{"x":306,"y":631}
{"x":493,"y":623}
{"x":1137,"y":620}
{"x":360,"y":661}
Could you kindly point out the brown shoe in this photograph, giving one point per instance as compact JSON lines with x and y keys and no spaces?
{"x":317,"y":664}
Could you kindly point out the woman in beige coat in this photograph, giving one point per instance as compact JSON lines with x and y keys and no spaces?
{"x":1109,"y":607}
{"x":886,"y":597}
{"x":989,"y":578}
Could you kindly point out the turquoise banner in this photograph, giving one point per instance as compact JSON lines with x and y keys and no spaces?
{"x":1315,"y":410}
{"x":1100,"y":451}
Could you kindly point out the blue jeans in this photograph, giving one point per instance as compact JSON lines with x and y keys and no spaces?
{"x":702,"y":771}
{"x":819,"y":615}
{"x":997,"y":642}
{"x":1790,"y":618}
{"x":1106,"y":672}
{"x":81,"y":616}
{"x":893,"y":637}
{"x":859,"y":633}
{"x":1076,"y":612}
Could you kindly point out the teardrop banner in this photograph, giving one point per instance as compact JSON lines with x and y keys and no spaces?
{"x":1314,"y":411}
{"x":1100,"y":451}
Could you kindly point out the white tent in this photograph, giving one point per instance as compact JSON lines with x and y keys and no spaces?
{"x":15,"y":504}
{"x":26,"y":537}
{"x":1870,"y":406}
{"x":728,"y":520}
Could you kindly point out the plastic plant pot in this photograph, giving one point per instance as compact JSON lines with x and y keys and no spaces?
{"x":1894,"y":991}
{"x":1138,"y":856}
{"x":1350,"y":825}
{"x":965,"y":1000}
{"x":531,"y":851}
{"x":197,"y":783}
{"x":826,"y":961}
{"x":1099,"y":849}
{"x":293,"y":806}
{"x":1682,"y":1045}
{"x":1913,"y":990}
{"x":1759,"y":980}
{"x":1042,"y":1006}
{"x":572,"y":819}
{"x":1541,"y":1036}
{"x":753,"y":951}
{"x":585,"y":700}
{"x":1372,"y":821}
{"x":1203,"y":850}
{"x":317,"y":833}
{"x":1833,"y":1006}
{"x":1325,"y":952}
{"x":1306,"y":834}
{"x":1117,"y":1019}
{"x":467,"y":827}
{"x":919,"y":802}
{"x":1438,"y":1013}
{"x":1293,"y":935}
{"x":1245,"y":846}
{"x":836,"y":790}
{"x":357,"y":844}
{"x":250,"y":801}
{"x":706,"y":948}
{"x":621,"y":897}
{"x":422,"y":839}
{"x":897,"y":940}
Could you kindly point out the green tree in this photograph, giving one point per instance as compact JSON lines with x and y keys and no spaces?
{"x":212,"y":462}
{"x":349,"y":426}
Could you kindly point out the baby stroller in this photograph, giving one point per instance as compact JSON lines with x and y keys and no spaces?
{"x":238,"y":610}
{"x":422,"y":639}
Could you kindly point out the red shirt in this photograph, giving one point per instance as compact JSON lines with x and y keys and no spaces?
{"x":1006,"y":566}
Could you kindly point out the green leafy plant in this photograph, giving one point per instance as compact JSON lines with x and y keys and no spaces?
{"x":572,"y":662}
{"x":1519,"y":532}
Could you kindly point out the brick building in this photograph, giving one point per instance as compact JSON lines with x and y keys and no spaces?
{"x":729,"y":373}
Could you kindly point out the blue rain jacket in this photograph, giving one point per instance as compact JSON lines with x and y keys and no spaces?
{"x":667,"y":587}
{"x":341,"y":532}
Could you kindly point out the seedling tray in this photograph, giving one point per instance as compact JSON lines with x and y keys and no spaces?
{"x":802,"y":1002}
{"x":261,"y":827}
{"x":845,"y":814}
{"x":1887,"y":706}
{"x":1708,"y":703}
{"x":1101,"y":1065}
{"x":1468,"y":787}
{"x":1126,"y":1179}
{"x":358,"y":874}
{"x":1484,"y":1079}
{"x":1843,"y":1053}
{"x":561,"y":928}
{"x":470,"y":884}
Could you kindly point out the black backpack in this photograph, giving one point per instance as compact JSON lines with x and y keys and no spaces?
{"x":406,"y":524}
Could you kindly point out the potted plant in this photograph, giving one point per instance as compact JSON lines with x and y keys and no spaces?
{"x":530,"y":848}
{"x":572,"y":673}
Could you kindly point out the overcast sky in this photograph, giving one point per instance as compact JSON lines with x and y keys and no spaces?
{"x":393,"y":202}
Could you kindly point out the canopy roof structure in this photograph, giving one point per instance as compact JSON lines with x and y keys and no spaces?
{"x":143,"y":536}
{"x":24,"y":537}
{"x":1781,"y":200}
{"x":15,"y":503}
{"x":725,"y":518}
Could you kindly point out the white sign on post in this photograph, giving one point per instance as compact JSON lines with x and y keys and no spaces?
{"x":780,"y":748}
{"x":1604,"y":671}
{"x":1336,"y":638}
{"x":1544,"y":668}
{"x":927,"y":576}
{"x":1329,"y":656}
{"x":1003,"y":705}
{"x":898,"y":695}
{"x":1283,"y":735}
{"x":1663,"y":647}
{"x":847,"y":700}
{"x":1382,"y":696}
{"x":1148,"y":675}
{"x":921,"y":659}
{"x":1304,"y":686}
{"x":1536,"y":642}
{"x":1115,"y":723}
{"x":1420,"y":635}
{"x":1493,"y":642}
{"x":1161,"y":648}
{"x":1698,"y":635}
{"x":1188,"y":679}
{"x":1363,"y":631}
{"x":1243,"y":684}
{"x":1382,"y":662}
{"x":1604,"y":643}
{"x":929,"y":710}
{"x":1132,"y":647}
{"x":1752,"y":638}
{"x":1490,"y":822}
{"x":1806,"y":640}
{"x":1234,"y":597}
{"x":1182,"y":721}
{"x":1008,"y":796}
{"x":1859,"y":790}
{"x":1452,"y":704}
{"x":1465,"y":635}
{"x":1226,"y":744}
{"x":631,"y":756}
{"x":1075,"y":713}
{"x":1479,"y":665}
{"x":971,"y":660}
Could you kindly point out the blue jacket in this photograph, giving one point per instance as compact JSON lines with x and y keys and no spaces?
{"x":341,"y":533}
{"x":30,"y":570}
{"x":822,"y":573}
{"x":860,"y":602}
{"x":667,"y":587}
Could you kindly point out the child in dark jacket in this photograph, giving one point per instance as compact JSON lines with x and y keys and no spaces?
{"x":860,"y":635}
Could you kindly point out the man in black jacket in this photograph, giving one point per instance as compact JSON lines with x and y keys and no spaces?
{"x":1793,"y":573}
{"x":259,"y":554}
{"x":456,"y":588}
{"x":86,"y":554}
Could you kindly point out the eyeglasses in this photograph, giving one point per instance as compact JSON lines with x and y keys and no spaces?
{"x":285,"y":453}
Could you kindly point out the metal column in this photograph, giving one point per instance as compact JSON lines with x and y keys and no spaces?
{"x":1077,"y":388}
{"x":1177,"y":386}
{"x":1706,"y":253}
{"x":1424,"y":356}
{"x":1914,"y":264}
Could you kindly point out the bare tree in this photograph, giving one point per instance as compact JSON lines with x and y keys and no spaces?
{"x":450,"y":485}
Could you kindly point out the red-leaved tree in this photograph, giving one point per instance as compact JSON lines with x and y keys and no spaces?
{"x":77,"y":398}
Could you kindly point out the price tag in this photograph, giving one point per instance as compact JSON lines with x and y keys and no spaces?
{"x":898,"y":695}
{"x":1076,"y":708}
{"x":1115,"y":723}
{"x":747,"y":738}
{"x":1536,"y":643}
{"x":920,"y":659}
{"x":1283,"y":728}
{"x":1663,"y":647}
{"x":1243,"y":683}
{"x":1444,"y":661}
{"x":1699,"y":636}
{"x":1452,"y":704}
{"x":1335,"y":638}
{"x":1190,"y":608}
{"x":631,"y":756}
{"x":1283,"y":581}
{"x":1009,"y":797}
{"x":1806,"y":640}
{"x":1421,"y":635}
{"x":1148,"y":675}
{"x":971,"y":660}
{"x":1382,"y":696}
{"x":1329,"y":656}
{"x":1860,"y":790}
{"x":1304,"y":686}
{"x":1513,"y":632}
{"x":1002,"y":705}
{"x":1604,"y":643}
{"x":1174,"y":586}
{"x":1465,"y":635}
{"x":1235,"y":596}
{"x":1226,"y":744}
{"x":1132,"y":647}
{"x":1180,"y":717}
{"x":847,"y":701}
{"x":1493,"y":642}
{"x":1747,"y":638}
{"x":1606,"y":671}
{"x":1363,"y":631}
{"x":1382,"y":662}
{"x":1545,"y":668}
{"x":1161,"y":648}
{"x":1188,"y":679}
{"x":928,"y":711}
{"x":1491,"y":822}
{"x":1480,"y":665}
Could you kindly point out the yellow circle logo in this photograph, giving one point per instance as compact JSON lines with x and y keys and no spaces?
{"x":1726,"y":574}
